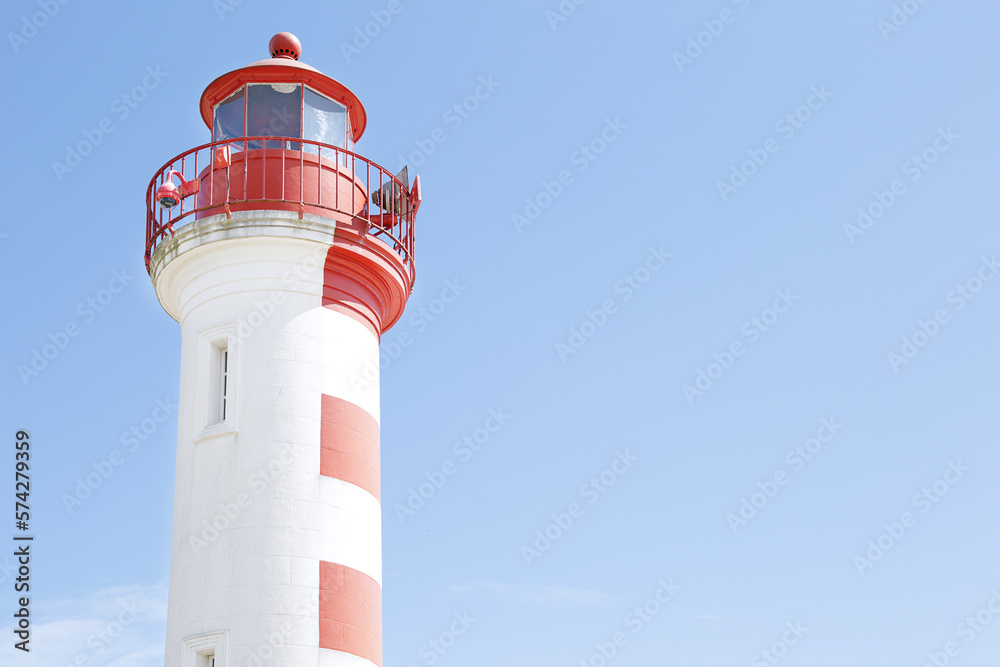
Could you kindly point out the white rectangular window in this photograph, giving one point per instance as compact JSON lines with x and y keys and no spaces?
{"x":216,"y":374}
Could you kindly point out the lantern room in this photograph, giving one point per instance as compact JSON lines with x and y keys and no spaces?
{"x":285,"y":99}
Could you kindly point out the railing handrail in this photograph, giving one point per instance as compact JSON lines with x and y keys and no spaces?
{"x":401,"y":214}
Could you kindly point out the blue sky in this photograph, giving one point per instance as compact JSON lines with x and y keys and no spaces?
{"x":740,"y":138}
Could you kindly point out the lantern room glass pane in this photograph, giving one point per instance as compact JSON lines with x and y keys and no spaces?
{"x":228,"y":122}
{"x":274,"y":110}
{"x":325,"y":120}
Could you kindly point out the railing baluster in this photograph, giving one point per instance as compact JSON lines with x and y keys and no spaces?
{"x":184,"y":176}
{"x":246,"y":169}
{"x":211,"y":175}
{"x":197,"y":178}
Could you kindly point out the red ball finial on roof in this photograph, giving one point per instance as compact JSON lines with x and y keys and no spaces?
{"x":285,"y":45}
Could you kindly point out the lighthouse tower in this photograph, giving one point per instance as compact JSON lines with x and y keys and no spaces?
{"x":283,"y":255}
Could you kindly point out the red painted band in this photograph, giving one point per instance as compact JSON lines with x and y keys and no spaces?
{"x":349,"y":445}
{"x":347,"y":288}
{"x":350,"y":612}
{"x":364,"y":278}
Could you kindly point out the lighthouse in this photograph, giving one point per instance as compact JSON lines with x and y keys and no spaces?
{"x":283,"y":255}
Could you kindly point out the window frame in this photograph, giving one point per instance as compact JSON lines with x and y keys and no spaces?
{"x":348,"y":143}
{"x":205,"y":650}
{"x":215,"y":114}
{"x":217,"y":382}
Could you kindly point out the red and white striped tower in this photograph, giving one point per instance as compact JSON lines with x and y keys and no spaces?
{"x":284,"y":256}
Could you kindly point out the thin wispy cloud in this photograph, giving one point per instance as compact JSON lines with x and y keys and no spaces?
{"x":121,"y":626}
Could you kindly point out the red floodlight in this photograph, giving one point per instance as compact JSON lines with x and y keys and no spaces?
{"x":169,"y":195}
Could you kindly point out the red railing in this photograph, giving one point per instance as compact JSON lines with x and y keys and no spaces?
{"x":233,"y":175}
